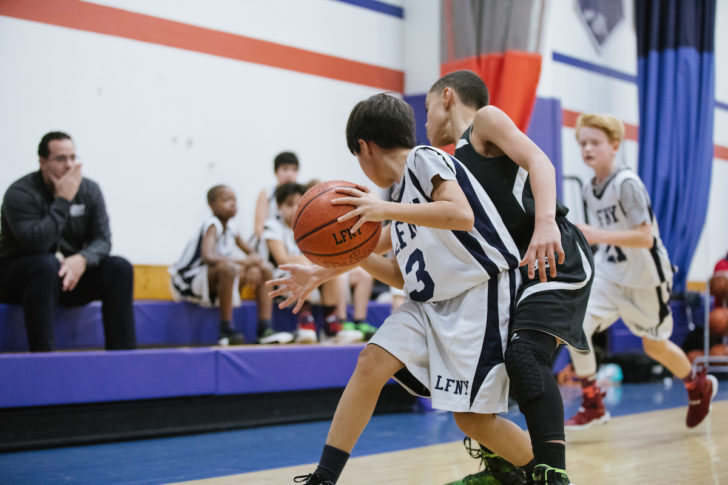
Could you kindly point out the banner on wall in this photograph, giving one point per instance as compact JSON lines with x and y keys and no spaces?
{"x":499,"y":41}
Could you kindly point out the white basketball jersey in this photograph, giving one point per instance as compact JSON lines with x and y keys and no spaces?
{"x":439,"y":264}
{"x":626,"y":266}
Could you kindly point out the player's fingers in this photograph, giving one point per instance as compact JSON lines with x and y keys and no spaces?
{"x":299,"y":305}
{"x":346,"y":201}
{"x":349,"y":191}
{"x":286,"y":302}
{"x":542,"y":265}
{"x":276,"y":281}
{"x":363,"y":188}
{"x":552,"y":263}
{"x":348,"y":215}
{"x":562,"y":254}
{"x":357,"y":225}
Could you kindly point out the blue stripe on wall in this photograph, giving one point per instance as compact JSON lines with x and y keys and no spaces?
{"x":590,"y":66}
{"x":377,"y":6}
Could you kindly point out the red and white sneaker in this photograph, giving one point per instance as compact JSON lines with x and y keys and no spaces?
{"x":591,"y":412}
{"x":306,"y":331}
{"x":703,"y":389}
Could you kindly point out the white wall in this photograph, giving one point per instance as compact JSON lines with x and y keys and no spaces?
{"x":157,"y":126}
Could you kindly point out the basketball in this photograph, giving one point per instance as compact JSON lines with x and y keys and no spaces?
{"x":719,"y":287}
{"x":719,"y":321}
{"x":719,"y":350}
{"x":324,"y":240}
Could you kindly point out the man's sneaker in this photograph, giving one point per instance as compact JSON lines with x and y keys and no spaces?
{"x":496,"y":470}
{"x":312,"y":479}
{"x":332,"y":326}
{"x":306,"y":331}
{"x":591,"y":412}
{"x":703,"y":390}
{"x":228,"y":336}
{"x":270,"y":336}
{"x":544,"y":474}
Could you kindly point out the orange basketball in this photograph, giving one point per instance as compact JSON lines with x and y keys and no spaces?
{"x":719,"y":321}
{"x":324,"y":240}
{"x":719,"y":287}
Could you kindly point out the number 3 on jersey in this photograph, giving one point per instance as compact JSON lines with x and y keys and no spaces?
{"x":422,"y":277}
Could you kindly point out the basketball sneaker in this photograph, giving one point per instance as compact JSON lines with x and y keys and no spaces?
{"x":306,"y":331}
{"x":270,"y":336}
{"x":701,"y":391}
{"x":496,"y":470}
{"x":312,"y":479}
{"x":591,"y":412}
{"x":366,"y":329}
{"x":546,"y":475}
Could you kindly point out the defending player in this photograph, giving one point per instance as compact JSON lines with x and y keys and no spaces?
{"x":633,"y":273}
{"x":520,"y":180}
{"x":436,"y":343}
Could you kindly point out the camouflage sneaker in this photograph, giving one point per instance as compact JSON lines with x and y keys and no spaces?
{"x":496,"y":470}
{"x":546,"y":475}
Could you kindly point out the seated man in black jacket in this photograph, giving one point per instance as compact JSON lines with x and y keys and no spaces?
{"x":54,"y":249}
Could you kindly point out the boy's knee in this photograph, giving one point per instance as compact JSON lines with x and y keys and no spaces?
{"x":653,"y":347}
{"x":45,"y":266}
{"x":471,"y":423}
{"x":119,"y":267}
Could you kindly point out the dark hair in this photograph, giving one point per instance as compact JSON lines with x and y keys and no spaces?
{"x":288,"y":189}
{"x":383,"y":119}
{"x":284,"y":158}
{"x":43,"y":150}
{"x":470,"y":88}
{"x":214,"y":192}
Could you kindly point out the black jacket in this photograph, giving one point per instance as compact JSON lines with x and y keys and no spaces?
{"x":35,"y":222}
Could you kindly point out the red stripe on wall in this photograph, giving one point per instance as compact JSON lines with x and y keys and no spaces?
{"x":631,"y":132}
{"x":101,"y":19}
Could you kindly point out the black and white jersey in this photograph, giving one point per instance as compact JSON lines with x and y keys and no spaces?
{"x":508,"y":186}
{"x":439,"y":264}
{"x":626,"y":266}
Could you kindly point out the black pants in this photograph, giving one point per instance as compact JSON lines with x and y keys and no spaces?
{"x":33,"y":282}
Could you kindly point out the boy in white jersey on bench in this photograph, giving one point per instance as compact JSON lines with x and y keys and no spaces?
{"x":633,"y":274}
{"x":447,"y":340}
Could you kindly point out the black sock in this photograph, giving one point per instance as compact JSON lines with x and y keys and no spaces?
{"x":551,"y":454}
{"x":358,"y":320}
{"x":263,"y":325}
{"x":329,"y":310}
{"x":226,"y":326}
{"x":332,"y":463}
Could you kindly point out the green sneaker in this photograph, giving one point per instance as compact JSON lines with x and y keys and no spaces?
{"x":366,"y":329}
{"x":496,"y":470}
{"x":546,"y":475}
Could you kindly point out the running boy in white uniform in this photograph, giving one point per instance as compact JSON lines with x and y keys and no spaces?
{"x":632,"y":276}
{"x":447,"y":339}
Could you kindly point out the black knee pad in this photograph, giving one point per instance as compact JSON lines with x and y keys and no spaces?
{"x":524,"y":372}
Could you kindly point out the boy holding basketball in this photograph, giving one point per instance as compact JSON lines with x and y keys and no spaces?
{"x":447,"y":340}
{"x":633,"y":273}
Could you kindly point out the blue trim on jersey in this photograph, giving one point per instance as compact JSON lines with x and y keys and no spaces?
{"x":476,"y":251}
{"x":491,"y":353}
{"x":483,"y":223}
{"x":417,"y":185}
{"x":401,"y":191}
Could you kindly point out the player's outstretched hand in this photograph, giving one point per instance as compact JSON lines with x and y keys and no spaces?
{"x":369,"y":207}
{"x":545,"y":244}
{"x":295,"y":287}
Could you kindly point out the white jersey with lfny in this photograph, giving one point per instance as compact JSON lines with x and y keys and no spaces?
{"x":439,"y":264}
{"x":626,"y":266}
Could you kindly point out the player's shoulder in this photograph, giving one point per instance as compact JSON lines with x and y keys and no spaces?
{"x":427,"y":153}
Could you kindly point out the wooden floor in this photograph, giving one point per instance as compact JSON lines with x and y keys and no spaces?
{"x":648,"y":448}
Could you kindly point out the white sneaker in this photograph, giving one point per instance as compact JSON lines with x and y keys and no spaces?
{"x":273,"y":337}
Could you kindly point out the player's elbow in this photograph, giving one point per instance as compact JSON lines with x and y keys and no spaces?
{"x":463,"y":220}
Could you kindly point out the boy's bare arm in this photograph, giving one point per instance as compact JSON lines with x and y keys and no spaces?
{"x":303,"y":279}
{"x":209,"y":254}
{"x":245,"y":247}
{"x":261,"y":213}
{"x":637,"y":237}
{"x":491,"y":125}
{"x":449,"y":208}
{"x":282,"y":256}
